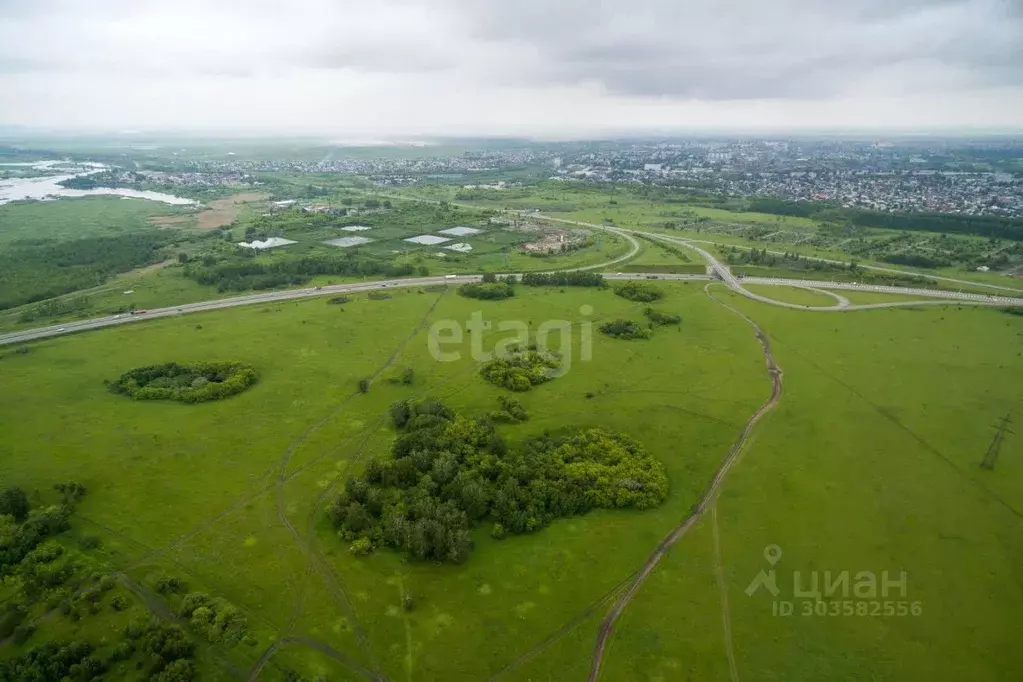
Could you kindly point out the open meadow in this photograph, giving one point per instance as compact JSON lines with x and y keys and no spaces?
{"x":869,"y":462}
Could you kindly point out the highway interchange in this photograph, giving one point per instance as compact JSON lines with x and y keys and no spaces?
{"x":718,"y":271}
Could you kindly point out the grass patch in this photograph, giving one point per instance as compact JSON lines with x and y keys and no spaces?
{"x":794,"y":295}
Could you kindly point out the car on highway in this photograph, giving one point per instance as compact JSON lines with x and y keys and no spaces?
{"x":62,"y":329}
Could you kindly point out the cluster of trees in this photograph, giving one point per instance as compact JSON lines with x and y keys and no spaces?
{"x":44,"y":570}
{"x":660,"y":319}
{"x":54,"y":662}
{"x":245,"y":274}
{"x":18,"y":539}
{"x":625,"y":329}
{"x":31,"y":272}
{"x":520,"y":370}
{"x":511,"y":411}
{"x":194,"y":383}
{"x":215,"y":619}
{"x":490,"y":288}
{"x":167,"y":651}
{"x":167,"y":656}
{"x":639,"y":291}
{"x":14,"y":503}
{"x":578,"y":278}
{"x":447,"y":473}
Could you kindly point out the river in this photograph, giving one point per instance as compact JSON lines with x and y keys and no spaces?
{"x":47,"y":188}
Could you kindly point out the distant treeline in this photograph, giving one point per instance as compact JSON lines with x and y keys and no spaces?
{"x":826,"y":211}
{"x":985,"y":226}
{"x":35,"y":272}
{"x":94,"y":180}
{"x":245,"y":275}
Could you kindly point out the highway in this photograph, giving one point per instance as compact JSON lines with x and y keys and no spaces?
{"x":943,"y":298}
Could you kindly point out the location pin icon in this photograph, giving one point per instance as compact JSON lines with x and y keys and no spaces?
{"x":772,"y":553}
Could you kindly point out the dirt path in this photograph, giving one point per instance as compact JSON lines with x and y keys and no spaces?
{"x":700,"y":508}
{"x":726,"y":618}
{"x":307,"y":544}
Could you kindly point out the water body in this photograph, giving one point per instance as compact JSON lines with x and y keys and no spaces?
{"x":46,"y":188}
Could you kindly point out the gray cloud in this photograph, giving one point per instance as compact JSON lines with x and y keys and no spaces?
{"x":496,"y":62}
{"x":749,"y":49}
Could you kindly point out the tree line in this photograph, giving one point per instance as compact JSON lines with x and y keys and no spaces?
{"x":577,"y":278}
{"x":490,"y":288}
{"x":246,"y":275}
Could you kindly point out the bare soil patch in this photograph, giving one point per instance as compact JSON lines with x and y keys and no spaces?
{"x":170,"y":219}
{"x":224,"y":211}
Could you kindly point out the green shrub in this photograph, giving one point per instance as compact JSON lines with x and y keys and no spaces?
{"x":661,"y":319}
{"x":521,"y":370}
{"x":361,"y":547}
{"x":639,"y":291}
{"x":511,"y":411}
{"x":625,"y":329}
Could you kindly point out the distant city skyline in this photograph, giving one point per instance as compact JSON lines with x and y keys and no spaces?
{"x":571,"y":69}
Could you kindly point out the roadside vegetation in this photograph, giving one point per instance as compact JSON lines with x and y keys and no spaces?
{"x":490,"y":289}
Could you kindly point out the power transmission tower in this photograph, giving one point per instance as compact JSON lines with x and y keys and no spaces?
{"x":992,"y":451}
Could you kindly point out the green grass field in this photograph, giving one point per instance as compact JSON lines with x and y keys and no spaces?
{"x":867,"y":297}
{"x":868,"y":463}
{"x":68,"y":219}
{"x":792,"y":295}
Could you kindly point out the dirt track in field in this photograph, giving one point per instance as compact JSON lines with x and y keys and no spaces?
{"x":699,"y":509}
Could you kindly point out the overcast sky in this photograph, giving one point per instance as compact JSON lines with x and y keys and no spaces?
{"x":560,"y":68}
